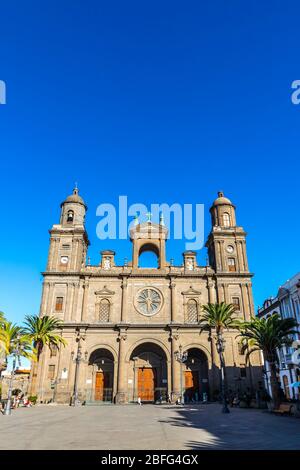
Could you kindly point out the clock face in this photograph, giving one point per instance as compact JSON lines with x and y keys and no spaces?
{"x":149,"y":301}
{"x":64,"y":260}
{"x":230,"y":249}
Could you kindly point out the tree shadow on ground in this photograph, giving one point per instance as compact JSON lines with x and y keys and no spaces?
{"x":241,"y":429}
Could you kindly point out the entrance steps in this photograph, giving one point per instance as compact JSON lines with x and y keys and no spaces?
{"x":98,"y":403}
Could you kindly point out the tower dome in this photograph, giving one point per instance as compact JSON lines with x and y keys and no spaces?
{"x":222,"y":200}
{"x":73,"y":209}
{"x":223,"y":212}
{"x":75,"y":198}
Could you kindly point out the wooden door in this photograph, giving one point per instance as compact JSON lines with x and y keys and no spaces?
{"x":99,"y":386}
{"x":191,"y":380}
{"x":146,"y":383}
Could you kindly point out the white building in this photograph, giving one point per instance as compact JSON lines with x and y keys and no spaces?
{"x":286,"y":304}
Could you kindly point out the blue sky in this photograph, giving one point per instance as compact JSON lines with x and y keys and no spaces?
{"x":162,"y":102}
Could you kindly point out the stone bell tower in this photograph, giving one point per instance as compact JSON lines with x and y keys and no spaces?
{"x":227,"y":242}
{"x":68,"y":239}
{"x":227,"y":256}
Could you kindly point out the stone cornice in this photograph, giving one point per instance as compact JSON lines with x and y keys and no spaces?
{"x":233,"y":275}
{"x":117,"y":327}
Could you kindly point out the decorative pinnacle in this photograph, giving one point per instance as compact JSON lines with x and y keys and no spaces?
{"x":149,"y":216}
{"x":161,"y":219}
{"x":136,"y":219}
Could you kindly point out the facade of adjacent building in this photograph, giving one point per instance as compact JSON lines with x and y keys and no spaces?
{"x":286,"y":304}
{"x":20,"y":382}
{"x":125,"y":323}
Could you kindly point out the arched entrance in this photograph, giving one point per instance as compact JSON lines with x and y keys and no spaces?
{"x":196,"y":376}
{"x":102,"y":362}
{"x":149,"y":364}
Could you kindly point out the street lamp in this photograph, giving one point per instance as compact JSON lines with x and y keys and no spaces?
{"x":78,"y":359}
{"x":181,"y":356}
{"x":220,"y":343}
{"x":16,"y":352}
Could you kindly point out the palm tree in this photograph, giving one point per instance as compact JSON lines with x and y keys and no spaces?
{"x":219,"y":317}
{"x":268,"y":335}
{"x":41,"y":331}
{"x":2,"y":349}
{"x":10,"y":333}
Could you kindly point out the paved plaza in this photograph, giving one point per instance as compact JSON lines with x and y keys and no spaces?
{"x":146,"y":427}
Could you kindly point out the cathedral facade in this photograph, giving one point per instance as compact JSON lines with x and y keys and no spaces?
{"x":126,"y":327}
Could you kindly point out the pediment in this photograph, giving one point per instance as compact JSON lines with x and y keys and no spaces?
{"x":191,"y":291}
{"x":148,"y":228}
{"x":104,"y":292}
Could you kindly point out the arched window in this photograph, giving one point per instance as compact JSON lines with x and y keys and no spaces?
{"x":104,"y":311}
{"x":192,"y":311}
{"x":226,"y":219}
{"x":231,"y":264}
{"x":148,"y":256}
{"x":70,"y":216}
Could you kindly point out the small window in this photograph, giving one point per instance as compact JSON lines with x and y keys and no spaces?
{"x":231,"y":264}
{"x":236,"y":303}
{"x":51,"y":372}
{"x":104,"y":311}
{"x":66,"y":247}
{"x":70,"y":217}
{"x":192,"y":311}
{"x":226,"y":219}
{"x":53,"y":350}
{"x":59,"y":304}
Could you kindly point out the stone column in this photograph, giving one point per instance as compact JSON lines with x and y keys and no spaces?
{"x":243,"y":244}
{"x":220,"y":292}
{"x":213,"y":371}
{"x":219,"y":259}
{"x":225,"y":290}
{"x":49,"y":300}
{"x":54,"y":264}
{"x":224,"y":266}
{"x":162,"y":254}
{"x":84,"y":312}
{"x":250,"y":298}
{"x":245,"y":302}
{"x":121,"y":389}
{"x":124,"y":299}
{"x":240,"y":255}
{"x":211,"y":292}
{"x":75,"y":301}
{"x":69,"y":301}
{"x":74,"y":254}
{"x":175,"y":366}
{"x":51,"y":254}
{"x":45,"y":295}
{"x":173,"y":302}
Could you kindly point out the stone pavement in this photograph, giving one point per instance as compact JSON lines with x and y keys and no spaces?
{"x":145,"y":427}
